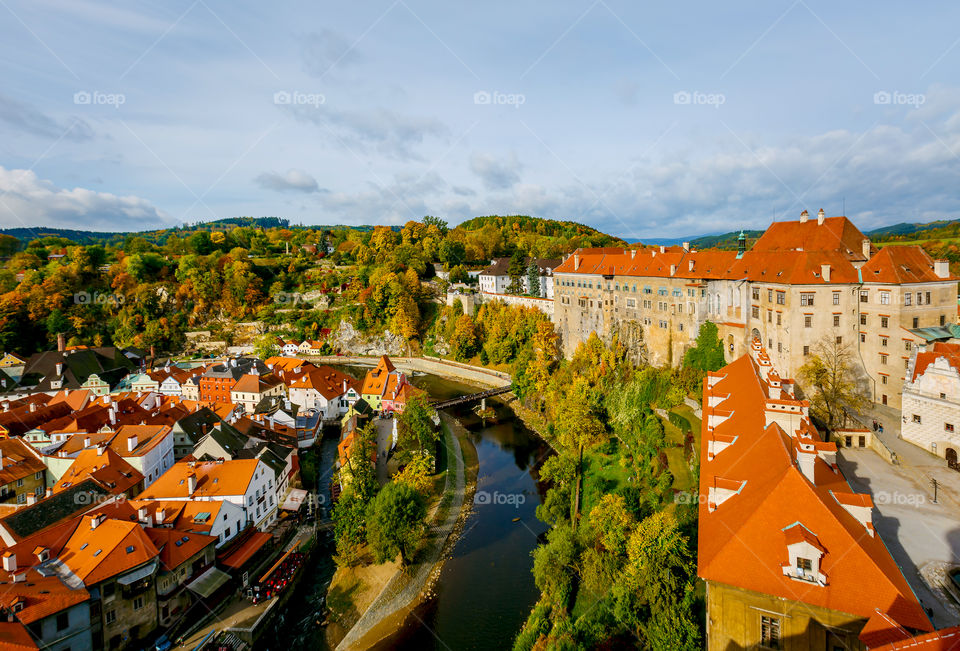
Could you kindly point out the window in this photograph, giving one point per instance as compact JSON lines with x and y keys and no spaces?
{"x":19,"y":483}
{"x":916,"y":322}
{"x":769,"y":316}
{"x":138,"y":603}
{"x":755,"y":293}
{"x":755,"y":312}
{"x":806,"y":299}
{"x":907,"y":345}
{"x":770,"y":632}
{"x":883,"y":341}
{"x":111,"y":616}
{"x":943,"y":319}
{"x":22,"y":498}
{"x":779,"y":318}
{"x":863,"y":338}
{"x":927,"y":299}
{"x":948,"y":427}
{"x":631,"y":302}
{"x":806,"y":351}
{"x":884,"y":298}
{"x":779,"y":347}
{"x":804,"y":564}
{"x":781,"y":298}
{"x":63,"y":621}
{"x":906,"y":298}
{"x":839,"y":340}
{"x":807,"y":321}
{"x":836,"y":320}
{"x":916,"y":419}
{"x":836,"y":298}
{"x":883,"y":379}
{"x":884,"y":321}
{"x":863,"y":319}
{"x":864,"y":296}
{"x":39,"y":475}
{"x":883,"y":358}
{"x":770,"y":296}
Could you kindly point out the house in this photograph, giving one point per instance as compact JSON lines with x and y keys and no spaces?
{"x":227,"y":444}
{"x":219,"y":519}
{"x":44,"y":609}
{"x":282,"y":365}
{"x":251,"y":388}
{"x":51,"y":511}
{"x":188,"y":431}
{"x":402,"y":397}
{"x":70,"y":369}
{"x":382,"y":380}
{"x":495,"y":279}
{"x":12,"y":366}
{"x":789,"y":553}
{"x":105,"y":467}
{"x":190,"y":388}
{"x":148,"y":448}
{"x":311,"y":347}
{"x":931,"y":400}
{"x":361,"y":410}
{"x":185,"y":556}
{"x":325,"y":389}
{"x":247,"y":483}
{"x":290,"y":348}
{"x":218,"y":379}
{"x":22,"y":472}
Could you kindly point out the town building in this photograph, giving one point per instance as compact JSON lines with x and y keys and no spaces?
{"x":495,"y":279}
{"x":789,"y":553}
{"x":802,"y":285}
{"x":22,"y":472}
{"x":323,"y":388}
{"x":251,"y":388}
{"x":382,"y":380}
{"x":931,"y":400}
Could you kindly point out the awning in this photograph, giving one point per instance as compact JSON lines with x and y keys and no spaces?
{"x":295,"y":500}
{"x":138,"y":574}
{"x":208,"y":582}
{"x":245,"y":551}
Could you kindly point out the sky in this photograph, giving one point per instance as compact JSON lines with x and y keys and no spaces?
{"x":640,"y":119}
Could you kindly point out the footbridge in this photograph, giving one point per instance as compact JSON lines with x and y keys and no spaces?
{"x":473,"y":397}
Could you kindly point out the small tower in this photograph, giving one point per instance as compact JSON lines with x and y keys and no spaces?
{"x":741,"y":245}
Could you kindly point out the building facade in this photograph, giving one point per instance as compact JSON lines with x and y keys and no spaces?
{"x":803,"y":285}
{"x":931,"y":400}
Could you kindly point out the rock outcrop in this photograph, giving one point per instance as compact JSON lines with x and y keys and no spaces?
{"x":346,"y":339}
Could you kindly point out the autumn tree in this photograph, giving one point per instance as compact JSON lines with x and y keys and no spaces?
{"x":835,"y":381}
{"x":578,"y":427}
{"x":463,"y":344}
{"x":395,"y":522}
{"x":416,"y":431}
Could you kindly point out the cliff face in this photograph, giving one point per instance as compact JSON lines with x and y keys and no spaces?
{"x":346,"y":339}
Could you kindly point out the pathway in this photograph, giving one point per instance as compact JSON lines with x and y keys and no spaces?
{"x":401,"y":591}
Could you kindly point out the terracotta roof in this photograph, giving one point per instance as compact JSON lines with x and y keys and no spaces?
{"x":113,"y":547}
{"x":108,"y":468}
{"x":213,"y":478}
{"x":900,"y":264}
{"x":148,"y":437}
{"x":18,"y":461}
{"x":376,"y":378}
{"x":738,"y":541}
{"x":835,"y":234}
{"x":15,"y":636}
{"x":244,"y":551}
{"x":947,"y":639}
{"x":254,"y":383}
{"x":950,"y":352}
{"x":177,"y":546}
{"x":329,"y":382}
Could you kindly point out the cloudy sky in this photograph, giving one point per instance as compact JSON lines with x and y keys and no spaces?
{"x":656,"y":121}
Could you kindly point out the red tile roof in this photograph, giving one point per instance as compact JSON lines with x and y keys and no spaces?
{"x":15,"y":636}
{"x":109,"y":469}
{"x":951,"y":352}
{"x":900,"y":264}
{"x":947,"y":639}
{"x":738,"y":541}
{"x":244,"y":551}
{"x":177,"y":546}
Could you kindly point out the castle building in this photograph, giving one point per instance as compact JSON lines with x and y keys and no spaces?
{"x":802,"y":284}
{"x":788,"y":551}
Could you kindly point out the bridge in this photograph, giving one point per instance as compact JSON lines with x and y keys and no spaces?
{"x":453,"y":402}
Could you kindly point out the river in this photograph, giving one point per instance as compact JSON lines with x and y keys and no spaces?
{"x":485,"y":590}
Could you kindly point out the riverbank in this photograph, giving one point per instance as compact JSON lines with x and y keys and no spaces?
{"x":406,"y":588}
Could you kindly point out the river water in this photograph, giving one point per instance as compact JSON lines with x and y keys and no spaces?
{"x":485,"y":590}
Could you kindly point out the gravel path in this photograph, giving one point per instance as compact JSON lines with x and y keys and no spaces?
{"x":404,"y":588}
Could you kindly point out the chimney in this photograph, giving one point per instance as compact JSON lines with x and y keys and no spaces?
{"x":803,"y":217}
{"x":191,"y":483}
{"x":686,"y":247}
{"x":941,"y":268}
{"x":31,"y":498}
{"x":49,"y":492}
{"x":825,"y":272}
{"x":633,"y":253}
{"x":820,"y":217}
{"x":143,"y":514}
{"x":96,"y":520}
{"x":61,"y":342}
{"x":113,"y":416}
{"x":865,"y":247}
{"x":9,"y":562}
{"x":161,"y":514}
{"x":107,"y":400}
{"x":33,"y":407}
{"x":691,"y":262}
{"x":86,"y":441}
{"x":663,"y":249}
{"x":59,"y":369}
{"x":131,"y":443}
{"x":101,"y":448}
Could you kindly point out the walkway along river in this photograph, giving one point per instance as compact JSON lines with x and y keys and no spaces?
{"x":485,"y":590}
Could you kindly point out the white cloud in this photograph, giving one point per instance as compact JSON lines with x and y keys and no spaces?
{"x":293,"y":181}
{"x":27,"y":201}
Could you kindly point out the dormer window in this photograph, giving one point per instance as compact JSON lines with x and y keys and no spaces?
{"x":805,"y":555}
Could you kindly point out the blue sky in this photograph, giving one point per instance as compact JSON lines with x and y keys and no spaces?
{"x":644,"y":121}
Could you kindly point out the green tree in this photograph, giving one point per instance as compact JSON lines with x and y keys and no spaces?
{"x":707,"y":354}
{"x":578,"y":426}
{"x":516,"y":270}
{"x":395,"y":522}
{"x":533,"y":279}
{"x":416,"y":431}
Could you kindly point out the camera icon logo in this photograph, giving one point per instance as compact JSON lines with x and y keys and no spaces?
{"x":481,"y":97}
{"x":82,"y":298}
{"x":681,"y":97}
{"x":281,"y":97}
{"x":81,"y":97}
{"x":881,"y":97}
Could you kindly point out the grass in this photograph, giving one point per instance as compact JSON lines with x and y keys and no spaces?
{"x":602,"y":474}
{"x":683,"y":479}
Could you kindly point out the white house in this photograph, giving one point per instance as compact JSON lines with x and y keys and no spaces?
{"x":324,"y":389}
{"x":148,"y":448}
{"x":495,"y":279}
{"x":290,"y":348}
{"x":247,"y":483}
{"x":930,"y":405}
{"x":221,"y":519}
